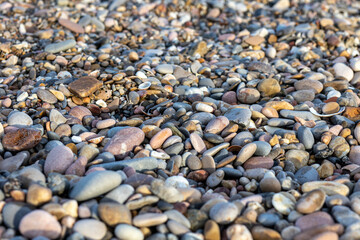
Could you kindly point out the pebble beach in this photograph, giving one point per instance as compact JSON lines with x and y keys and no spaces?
{"x":180,"y":120}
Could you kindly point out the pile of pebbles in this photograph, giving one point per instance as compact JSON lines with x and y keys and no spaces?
{"x":191,"y":120}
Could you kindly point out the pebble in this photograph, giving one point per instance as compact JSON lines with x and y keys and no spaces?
{"x":239,"y":116}
{"x":85,"y":86}
{"x":311,"y":201}
{"x":19,"y":119}
{"x":124,"y":141}
{"x":39,"y":223}
{"x":245,"y":153}
{"x":330,"y":188}
{"x":144,"y":120}
{"x":95,"y":184}
{"x":149,"y":219}
{"x":21,"y":139}
{"x":128,"y":232}
{"x":343,"y":71}
{"x":224,"y":213}
{"x":314,"y":219}
{"x":197,"y":142}
{"x":258,"y":162}
{"x":90,"y":228}
{"x":58,"y":160}
{"x":283,"y":202}
{"x":60,"y":46}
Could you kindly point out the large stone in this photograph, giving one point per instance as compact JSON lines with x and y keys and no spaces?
{"x":40,"y":223}
{"x":90,"y":228}
{"x":21,"y":119}
{"x":124,"y":141}
{"x":58,"y":160}
{"x":94,"y":185}
{"x":13,"y":163}
{"x":79,"y":112}
{"x":311,"y":201}
{"x":85,"y":86}
{"x":240,"y":116}
{"x":269,"y":87}
{"x":330,"y":188}
{"x":21,"y":139}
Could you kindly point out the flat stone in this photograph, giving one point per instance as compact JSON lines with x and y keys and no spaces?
{"x":258,"y":162}
{"x":94,"y":185}
{"x":21,"y":139}
{"x":307,"y":174}
{"x":57,"y":117}
{"x":197,"y":142}
{"x":345,"y":215}
{"x":239,"y":116}
{"x":107,"y":123}
{"x":166,"y":192}
{"x":149,"y":219}
{"x":308,"y":84}
{"x":165,"y":69}
{"x":212,"y":230}
{"x":139,"y":164}
{"x":248,"y":95}
{"x":85,"y":86}
{"x":80,"y":112}
{"x":71,"y":25}
{"x":46,"y":96}
{"x":354,"y":154}
{"x":60,"y":46}
{"x":245,"y":153}
{"x":13,"y":163}
{"x":260,"y":232}
{"x":254,"y":40}
{"x":119,"y":194}
{"x":308,"y":116}
{"x":262,"y":148}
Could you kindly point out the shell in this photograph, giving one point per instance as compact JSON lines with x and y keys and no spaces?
{"x":144,"y":86}
{"x":313,"y":111}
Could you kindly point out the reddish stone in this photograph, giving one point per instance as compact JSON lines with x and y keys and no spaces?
{"x":80,"y":112}
{"x":198,"y":176}
{"x":258,"y":162}
{"x":21,"y":139}
{"x":313,"y":220}
{"x":229,"y":97}
{"x":71,"y":25}
{"x":85,"y":86}
{"x":124,"y":141}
